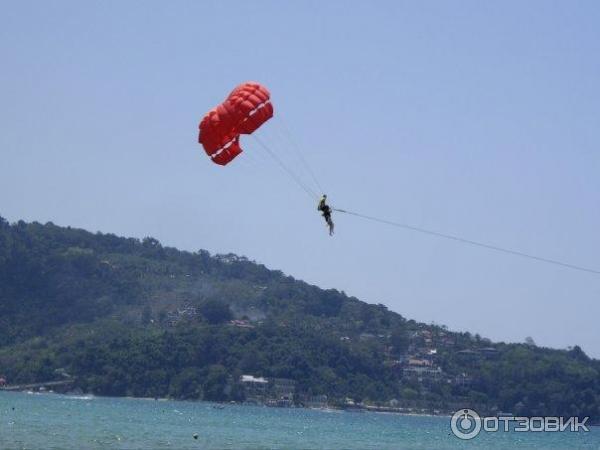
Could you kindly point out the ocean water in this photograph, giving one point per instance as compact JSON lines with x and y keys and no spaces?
{"x":50,"y":421}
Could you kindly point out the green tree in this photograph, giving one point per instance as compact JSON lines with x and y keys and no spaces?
{"x":215,"y":383}
{"x":400,"y":340}
{"x":216,"y":312}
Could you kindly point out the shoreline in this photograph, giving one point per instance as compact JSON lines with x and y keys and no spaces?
{"x":327,"y":408}
{"x":223,"y":405}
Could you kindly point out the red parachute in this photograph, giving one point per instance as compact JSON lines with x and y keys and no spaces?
{"x":243,"y":112}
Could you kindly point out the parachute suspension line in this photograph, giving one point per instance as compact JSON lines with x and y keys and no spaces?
{"x":470,"y":242}
{"x":249,"y":158}
{"x":278,"y":160}
{"x":287,"y":133}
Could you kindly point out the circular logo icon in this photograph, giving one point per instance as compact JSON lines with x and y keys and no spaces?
{"x":465,"y":424}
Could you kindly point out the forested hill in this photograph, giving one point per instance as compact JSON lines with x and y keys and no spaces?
{"x":120,"y":316}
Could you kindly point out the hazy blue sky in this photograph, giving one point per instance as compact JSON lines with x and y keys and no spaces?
{"x":480,"y":119}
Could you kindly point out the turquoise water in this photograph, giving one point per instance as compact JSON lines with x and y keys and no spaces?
{"x":49,"y":421}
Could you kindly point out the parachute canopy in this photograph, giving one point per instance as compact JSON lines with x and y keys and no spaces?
{"x":243,"y":112}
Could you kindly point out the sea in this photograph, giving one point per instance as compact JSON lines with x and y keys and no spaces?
{"x":53,"y":421}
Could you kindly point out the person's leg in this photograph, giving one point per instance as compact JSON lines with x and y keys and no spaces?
{"x":330,"y":225}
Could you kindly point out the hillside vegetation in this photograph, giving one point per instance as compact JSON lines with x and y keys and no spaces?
{"x":122,"y":316}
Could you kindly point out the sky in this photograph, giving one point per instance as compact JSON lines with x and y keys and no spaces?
{"x":477,"y":119}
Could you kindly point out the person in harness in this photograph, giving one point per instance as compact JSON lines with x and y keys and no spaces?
{"x":326,"y":212}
